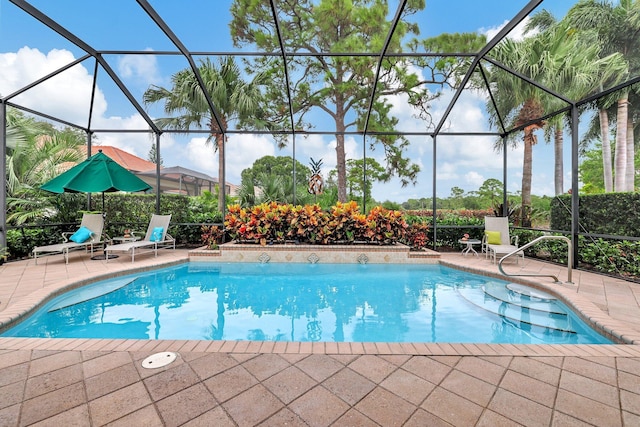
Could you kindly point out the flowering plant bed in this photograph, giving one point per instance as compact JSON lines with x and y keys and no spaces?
{"x":344,"y":224}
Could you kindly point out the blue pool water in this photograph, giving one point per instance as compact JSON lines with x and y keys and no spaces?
{"x":307,"y":302}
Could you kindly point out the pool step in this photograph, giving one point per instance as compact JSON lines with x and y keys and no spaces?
{"x":517,"y":313}
{"x":530,"y":292}
{"x":90,"y":292}
{"x":531,"y":300}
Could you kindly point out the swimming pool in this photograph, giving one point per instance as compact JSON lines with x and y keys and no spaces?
{"x":307,"y":302}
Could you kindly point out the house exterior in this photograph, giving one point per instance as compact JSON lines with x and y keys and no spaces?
{"x":175,"y":179}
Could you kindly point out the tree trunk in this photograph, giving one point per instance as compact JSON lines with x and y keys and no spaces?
{"x":631,"y":170}
{"x":621,"y":145}
{"x":606,"y":151}
{"x":219,"y":141}
{"x":221,"y":178}
{"x":341,"y":168}
{"x":558,"y":141}
{"x":341,"y":162}
{"x":527,"y":171}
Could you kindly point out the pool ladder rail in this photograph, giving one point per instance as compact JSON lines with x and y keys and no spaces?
{"x":533,"y":242}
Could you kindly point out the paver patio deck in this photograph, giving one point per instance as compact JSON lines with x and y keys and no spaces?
{"x":83,"y":382}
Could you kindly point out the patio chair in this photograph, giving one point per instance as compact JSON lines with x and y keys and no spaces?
{"x":155,"y":238}
{"x":88,"y":236}
{"x":496,"y":240}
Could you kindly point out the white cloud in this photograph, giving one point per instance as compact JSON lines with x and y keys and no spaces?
{"x":474,"y":178}
{"x":541,"y":190}
{"x":516,"y":34}
{"x":136,"y":143}
{"x":242,"y":151}
{"x":308,"y":146}
{"x":65,"y":96}
{"x":447,"y":171}
{"x":142,"y":69}
{"x":202,"y":155}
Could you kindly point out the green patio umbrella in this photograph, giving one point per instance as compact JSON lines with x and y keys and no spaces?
{"x":98,"y":174}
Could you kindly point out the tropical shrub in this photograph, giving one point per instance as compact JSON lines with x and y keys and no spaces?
{"x":612,"y":257}
{"x":306,"y":223}
{"x":212,"y":236}
{"x":615,"y":257}
{"x":385,"y":226}
{"x":452,"y":224}
{"x":256,"y":228}
{"x":417,"y":235}
{"x":344,"y":224}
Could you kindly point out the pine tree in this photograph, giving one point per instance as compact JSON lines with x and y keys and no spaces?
{"x":153,"y":155}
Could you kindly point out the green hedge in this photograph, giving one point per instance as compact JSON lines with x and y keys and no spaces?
{"x":615,"y":257}
{"x":131,"y":211}
{"x":612,"y":213}
{"x":452,"y":225}
{"x":134,"y":211}
{"x":20,"y":242}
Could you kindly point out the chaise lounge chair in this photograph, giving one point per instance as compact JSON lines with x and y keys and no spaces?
{"x":155,"y":238}
{"x":496,"y":240}
{"x":88,"y":235}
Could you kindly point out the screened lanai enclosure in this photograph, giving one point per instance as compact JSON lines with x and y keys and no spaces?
{"x":444,"y":95}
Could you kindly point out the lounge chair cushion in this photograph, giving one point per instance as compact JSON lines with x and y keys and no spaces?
{"x":493,"y":237}
{"x":156,"y":235}
{"x":82,"y":235}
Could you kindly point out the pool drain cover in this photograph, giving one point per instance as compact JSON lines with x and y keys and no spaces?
{"x":159,"y":360}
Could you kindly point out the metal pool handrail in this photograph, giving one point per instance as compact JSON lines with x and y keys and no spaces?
{"x":533,"y":242}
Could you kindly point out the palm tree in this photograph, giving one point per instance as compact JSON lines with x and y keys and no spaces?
{"x":632,"y":122}
{"x":19,"y":128}
{"x":559,"y":62}
{"x":247,"y":194}
{"x":607,"y":171}
{"x":579,"y":71}
{"x":618,"y":29}
{"x":36,"y":153}
{"x":519,"y":102}
{"x":234,"y":99}
{"x":273,"y":188}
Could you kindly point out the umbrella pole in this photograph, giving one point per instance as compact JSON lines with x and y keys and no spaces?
{"x":103,"y":256}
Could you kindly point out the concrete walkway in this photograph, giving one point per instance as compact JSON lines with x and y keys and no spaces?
{"x":67,"y":382}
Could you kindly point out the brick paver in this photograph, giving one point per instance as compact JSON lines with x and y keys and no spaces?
{"x":100,"y":382}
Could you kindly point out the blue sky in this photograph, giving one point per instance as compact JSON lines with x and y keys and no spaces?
{"x":29,"y":50}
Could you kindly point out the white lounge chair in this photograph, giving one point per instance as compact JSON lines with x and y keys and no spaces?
{"x":156,"y":238}
{"x":496,"y":240}
{"x":91,"y":222}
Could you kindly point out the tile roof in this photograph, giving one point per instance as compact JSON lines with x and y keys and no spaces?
{"x":123,"y":158}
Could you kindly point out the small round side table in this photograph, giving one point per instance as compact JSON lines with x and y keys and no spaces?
{"x":469,"y":247}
